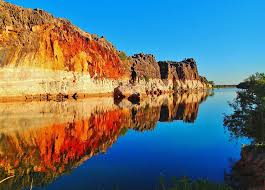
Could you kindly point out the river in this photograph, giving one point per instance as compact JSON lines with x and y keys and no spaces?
{"x":97,"y":143}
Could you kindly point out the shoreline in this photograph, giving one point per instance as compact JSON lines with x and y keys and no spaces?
{"x":79,"y":96}
{"x":52,"y":97}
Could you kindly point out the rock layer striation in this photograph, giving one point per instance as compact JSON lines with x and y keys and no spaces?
{"x":42,"y":56}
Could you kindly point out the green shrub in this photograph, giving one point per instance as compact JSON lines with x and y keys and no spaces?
{"x":122,"y":55}
{"x":146,"y":78}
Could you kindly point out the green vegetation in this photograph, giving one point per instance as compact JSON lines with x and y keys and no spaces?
{"x":122,"y":55}
{"x":211,"y":83}
{"x":225,"y":86}
{"x":221,"y":85}
{"x":146,"y":78}
{"x":187,"y":184}
{"x":248,"y":119}
{"x":123,"y":131}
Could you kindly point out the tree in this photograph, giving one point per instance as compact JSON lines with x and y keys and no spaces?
{"x":248,"y":118}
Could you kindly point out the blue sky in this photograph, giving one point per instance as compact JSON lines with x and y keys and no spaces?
{"x":226,"y":37}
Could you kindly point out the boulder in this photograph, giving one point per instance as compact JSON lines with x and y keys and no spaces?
{"x":134,"y":98}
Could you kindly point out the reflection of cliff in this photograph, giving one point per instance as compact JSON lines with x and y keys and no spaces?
{"x":41,"y":141}
{"x":183,"y":107}
{"x":249,"y":172}
{"x":52,"y":149}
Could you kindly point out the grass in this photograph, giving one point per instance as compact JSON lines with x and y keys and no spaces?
{"x":6,"y":179}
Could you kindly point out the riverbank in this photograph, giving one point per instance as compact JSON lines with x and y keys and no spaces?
{"x":225,"y":86}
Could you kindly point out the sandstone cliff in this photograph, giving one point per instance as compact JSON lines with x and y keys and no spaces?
{"x":184,"y":75}
{"x":145,"y":66}
{"x":42,"y":56}
{"x":34,"y":38}
{"x":150,"y":77}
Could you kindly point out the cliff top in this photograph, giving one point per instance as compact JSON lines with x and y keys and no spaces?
{"x":188,"y":61}
{"x":44,"y":41}
{"x":20,"y":18}
{"x":12,"y":15}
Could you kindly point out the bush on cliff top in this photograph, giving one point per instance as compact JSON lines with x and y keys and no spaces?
{"x":122,"y":55}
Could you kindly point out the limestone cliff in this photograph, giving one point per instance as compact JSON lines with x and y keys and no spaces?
{"x":42,"y":56}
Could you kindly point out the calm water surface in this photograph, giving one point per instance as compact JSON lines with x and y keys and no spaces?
{"x":96,"y":144}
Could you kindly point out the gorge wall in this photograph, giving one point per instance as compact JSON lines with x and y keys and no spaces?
{"x":43,"y":55}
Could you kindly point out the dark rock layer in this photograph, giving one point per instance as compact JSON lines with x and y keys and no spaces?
{"x":184,"y":70}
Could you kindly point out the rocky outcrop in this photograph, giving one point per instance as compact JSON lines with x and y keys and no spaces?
{"x":184,"y":70}
{"x":150,"y":77}
{"x":184,"y":75}
{"x":43,"y":56}
{"x":145,"y":66}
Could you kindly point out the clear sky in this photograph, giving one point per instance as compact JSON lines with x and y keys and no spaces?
{"x":226,"y":37}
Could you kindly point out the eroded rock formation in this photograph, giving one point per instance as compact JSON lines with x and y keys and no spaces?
{"x":145,"y":66}
{"x":43,"y":56}
{"x":34,"y":38}
{"x":40,"y":54}
{"x":150,"y":77}
{"x":184,"y":75}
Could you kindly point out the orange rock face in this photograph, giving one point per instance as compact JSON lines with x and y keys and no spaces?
{"x":41,"y":55}
{"x":33,"y":38}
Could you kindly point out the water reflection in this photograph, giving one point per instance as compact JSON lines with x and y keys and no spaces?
{"x":249,"y":172}
{"x":40,"y":141}
{"x":248,"y":120}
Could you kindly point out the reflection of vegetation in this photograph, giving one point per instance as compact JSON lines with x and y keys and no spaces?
{"x":187,"y":184}
{"x":225,"y":86}
{"x":248,"y":172}
{"x":26,"y":180}
{"x":248,"y":118}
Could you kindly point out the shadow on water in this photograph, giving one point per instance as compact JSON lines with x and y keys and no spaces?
{"x":40,"y":141}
